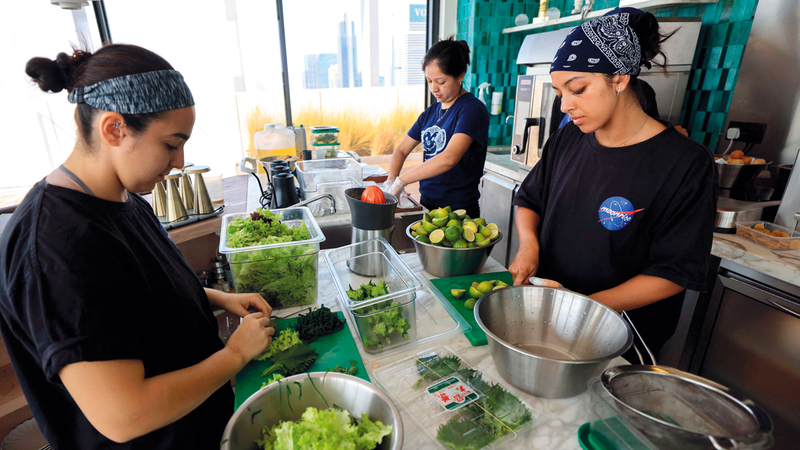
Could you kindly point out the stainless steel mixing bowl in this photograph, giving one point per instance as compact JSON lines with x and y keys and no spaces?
{"x":443,"y":262}
{"x":738,"y":175}
{"x":550,"y":342}
{"x":270,"y":405}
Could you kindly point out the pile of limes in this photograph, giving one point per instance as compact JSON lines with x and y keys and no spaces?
{"x":454,"y":229}
{"x":476,"y":291}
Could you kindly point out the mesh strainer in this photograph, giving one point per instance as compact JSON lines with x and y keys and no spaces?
{"x":678,"y":410}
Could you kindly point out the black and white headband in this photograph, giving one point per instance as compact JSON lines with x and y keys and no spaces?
{"x":140,"y":93}
{"x":606,"y":44}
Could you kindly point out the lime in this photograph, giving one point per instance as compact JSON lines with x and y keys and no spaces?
{"x":422,"y":231}
{"x":500,"y":283}
{"x":493,"y":226}
{"x":426,"y":217}
{"x":413,"y":234}
{"x":470,"y":303}
{"x":469,"y":235}
{"x":474,"y":293}
{"x":460,"y":244}
{"x":447,"y":243}
{"x":475,"y":284}
{"x":424,"y":239}
{"x":437,"y":236}
{"x":440,"y":221}
{"x":457,"y":293}
{"x":429,"y":227}
{"x":498,"y":287}
{"x":484,"y":231}
{"x":471,"y":226}
{"x":461,"y":213}
{"x":480,"y":221}
{"x":448,"y":209}
{"x":453,"y":216}
{"x":471,"y":245}
{"x":483,"y":243}
{"x":441,"y":213}
{"x":494,"y":235}
{"x":416,"y":225}
{"x":485,"y":287}
{"x":480,"y":237}
{"x":452,"y":234}
{"x":453,"y":223}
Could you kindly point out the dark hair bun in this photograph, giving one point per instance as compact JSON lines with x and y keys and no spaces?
{"x":56,"y":75}
{"x":451,"y":56}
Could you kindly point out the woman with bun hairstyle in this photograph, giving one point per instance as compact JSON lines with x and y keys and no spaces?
{"x":454,"y":132}
{"x":109,"y":331}
{"x":620,"y":207}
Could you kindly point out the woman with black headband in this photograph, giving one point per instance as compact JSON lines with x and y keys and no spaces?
{"x":109,"y":330}
{"x":620,"y":207}
{"x":454,"y":133}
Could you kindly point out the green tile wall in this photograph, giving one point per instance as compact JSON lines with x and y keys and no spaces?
{"x":723,"y":37}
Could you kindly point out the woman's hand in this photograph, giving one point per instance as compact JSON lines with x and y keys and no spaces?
{"x":252,"y":337}
{"x":525,"y":264}
{"x":239,"y":303}
{"x":397,"y":188}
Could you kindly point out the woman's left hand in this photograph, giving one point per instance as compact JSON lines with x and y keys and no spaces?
{"x":397,"y":187}
{"x":239,"y":303}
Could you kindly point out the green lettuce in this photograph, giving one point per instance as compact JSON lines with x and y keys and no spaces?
{"x":326,"y":429}
{"x":285,"y":339}
{"x":284,"y":276}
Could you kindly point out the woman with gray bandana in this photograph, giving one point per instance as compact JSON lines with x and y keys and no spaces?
{"x":109,"y":330}
{"x":620,"y":207}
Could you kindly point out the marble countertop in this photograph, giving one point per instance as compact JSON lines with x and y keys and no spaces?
{"x":782,"y":265}
{"x":557,"y":421}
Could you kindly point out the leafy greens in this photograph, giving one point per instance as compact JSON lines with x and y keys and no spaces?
{"x":285,"y":275}
{"x":389,"y":318}
{"x":286,"y":339}
{"x":326,"y":429}
{"x":295,"y":359}
{"x":318,"y":322}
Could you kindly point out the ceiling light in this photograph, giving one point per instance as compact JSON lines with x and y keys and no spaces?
{"x":69,"y":4}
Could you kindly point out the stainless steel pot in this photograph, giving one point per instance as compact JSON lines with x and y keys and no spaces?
{"x":550,"y":342}
{"x":443,"y":262}
{"x":738,"y":175}
{"x":345,"y":391}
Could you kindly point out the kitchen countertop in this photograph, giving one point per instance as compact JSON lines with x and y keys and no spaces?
{"x":501,"y":164}
{"x":557,"y":421}
{"x":784,"y":265}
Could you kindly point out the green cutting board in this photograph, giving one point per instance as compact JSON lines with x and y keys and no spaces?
{"x":476,"y":336}
{"x":337,"y":348}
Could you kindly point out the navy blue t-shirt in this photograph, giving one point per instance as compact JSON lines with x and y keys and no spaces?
{"x":86,"y":279}
{"x":610,"y":214}
{"x":458,"y":187}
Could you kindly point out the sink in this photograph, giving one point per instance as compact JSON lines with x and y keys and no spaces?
{"x":339,"y":235}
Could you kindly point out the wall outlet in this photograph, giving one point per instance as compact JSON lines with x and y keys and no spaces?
{"x":749,"y":132}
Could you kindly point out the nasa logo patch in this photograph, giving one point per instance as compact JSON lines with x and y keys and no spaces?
{"x":616,"y":213}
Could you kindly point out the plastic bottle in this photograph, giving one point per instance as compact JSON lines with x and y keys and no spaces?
{"x":275,"y":140}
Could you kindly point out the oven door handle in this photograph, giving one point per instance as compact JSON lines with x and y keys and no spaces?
{"x":529,"y":122}
{"x":542,"y":122}
{"x":783,"y":308}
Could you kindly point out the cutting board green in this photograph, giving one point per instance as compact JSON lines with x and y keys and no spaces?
{"x":334,"y":349}
{"x":476,"y":336}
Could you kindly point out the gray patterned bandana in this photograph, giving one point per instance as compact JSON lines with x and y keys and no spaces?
{"x":606,"y":44}
{"x":140,"y":93}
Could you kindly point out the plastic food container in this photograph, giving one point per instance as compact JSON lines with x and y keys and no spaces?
{"x":774,"y":237}
{"x":325,"y":135}
{"x":460,"y":405}
{"x":328,"y":176}
{"x":325,"y":151}
{"x":285,"y":274}
{"x":608,"y":429}
{"x":371,"y":261}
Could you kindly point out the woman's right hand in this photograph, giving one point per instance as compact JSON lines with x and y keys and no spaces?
{"x":525,"y":264}
{"x":252,"y":337}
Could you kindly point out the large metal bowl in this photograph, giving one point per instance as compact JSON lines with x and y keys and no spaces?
{"x":345,"y":391}
{"x":550,"y":342}
{"x":735,"y":176}
{"x":445,"y":262}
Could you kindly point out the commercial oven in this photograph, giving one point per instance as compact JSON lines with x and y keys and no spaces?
{"x":750,"y":342}
{"x":535,"y":97}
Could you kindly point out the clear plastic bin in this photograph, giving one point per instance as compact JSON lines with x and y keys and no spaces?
{"x":609,"y":430}
{"x":325,"y":151}
{"x":370,"y":261}
{"x":778,"y":238}
{"x":469,"y":418}
{"x":329,"y":176}
{"x":386,"y":325}
{"x":285,"y":274}
{"x":325,"y":135}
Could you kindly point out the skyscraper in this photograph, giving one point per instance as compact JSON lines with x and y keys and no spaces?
{"x":315,"y":75}
{"x":370,"y":55}
{"x":408,"y":43}
{"x":348,"y":54}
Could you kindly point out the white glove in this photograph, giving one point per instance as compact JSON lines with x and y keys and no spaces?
{"x":388,"y":184}
{"x":536,"y":281}
{"x":398,"y":188}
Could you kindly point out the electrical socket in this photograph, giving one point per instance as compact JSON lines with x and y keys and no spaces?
{"x":750,"y":132}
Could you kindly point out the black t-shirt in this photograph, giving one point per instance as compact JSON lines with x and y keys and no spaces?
{"x":458,"y":187}
{"x":610,"y":214}
{"x":85,"y":279}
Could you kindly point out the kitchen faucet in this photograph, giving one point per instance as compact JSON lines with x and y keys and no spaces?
{"x":319,"y":197}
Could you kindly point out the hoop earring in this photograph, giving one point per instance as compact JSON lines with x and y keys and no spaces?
{"x":619,"y":89}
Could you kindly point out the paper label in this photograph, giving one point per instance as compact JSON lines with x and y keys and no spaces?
{"x":452,"y":393}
